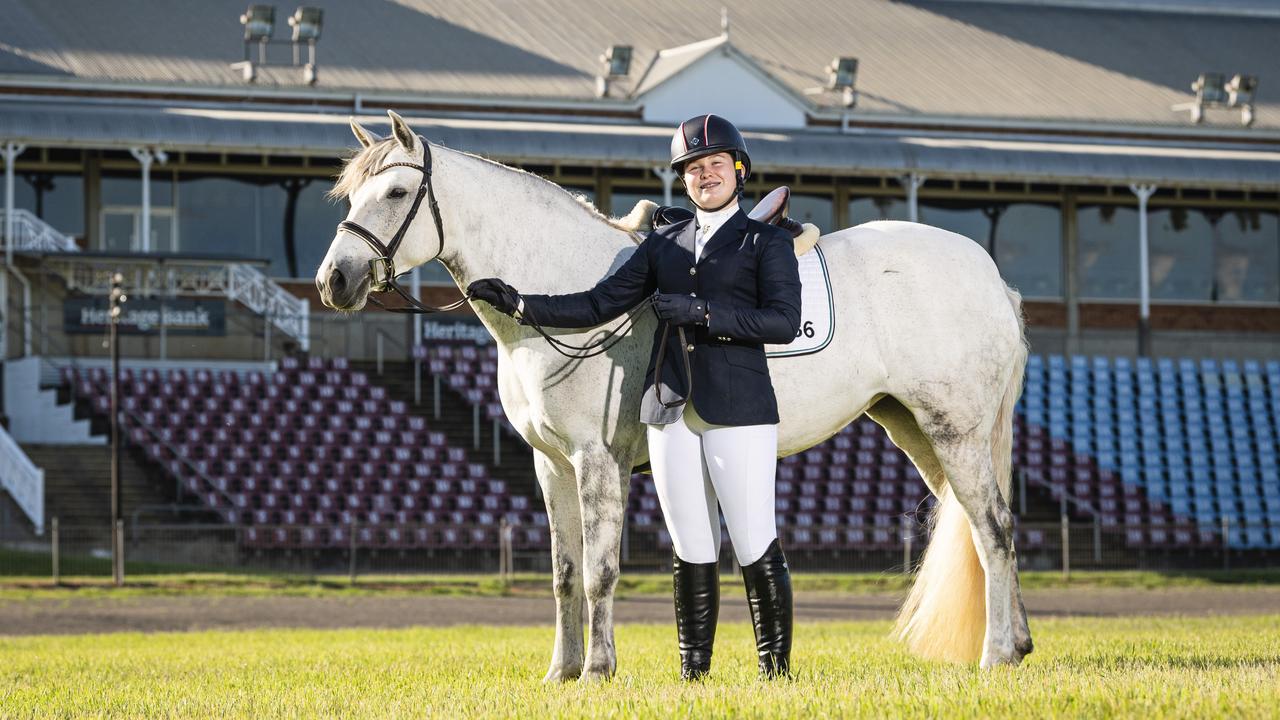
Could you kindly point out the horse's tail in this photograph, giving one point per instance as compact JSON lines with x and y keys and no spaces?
{"x":944,"y":617}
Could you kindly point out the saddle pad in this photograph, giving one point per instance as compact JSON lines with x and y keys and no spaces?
{"x":817,"y":309}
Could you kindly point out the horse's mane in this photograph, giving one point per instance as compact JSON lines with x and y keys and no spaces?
{"x":361,"y":166}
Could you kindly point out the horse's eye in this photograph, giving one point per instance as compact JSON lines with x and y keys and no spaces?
{"x":397,"y":193}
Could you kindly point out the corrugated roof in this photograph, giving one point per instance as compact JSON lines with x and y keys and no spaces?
{"x":917,"y":57}
{"x":607,"y":144}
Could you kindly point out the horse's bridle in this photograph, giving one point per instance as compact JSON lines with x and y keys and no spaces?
{"x":386,"y":252}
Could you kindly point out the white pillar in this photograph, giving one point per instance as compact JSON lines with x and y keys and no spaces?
{"x":668,"y":177}
{"x":912,"y":181}
{"x":1144,"y":193}
{"x":10,"y":153}
{"x":145,"y":157}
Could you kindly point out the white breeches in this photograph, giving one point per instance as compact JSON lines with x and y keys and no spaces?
{"x":694,"y":464}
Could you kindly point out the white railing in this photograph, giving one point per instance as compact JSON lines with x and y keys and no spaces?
{"x":259,"y":293}
{"x":35,"y":235}
{"x":22,"y":479}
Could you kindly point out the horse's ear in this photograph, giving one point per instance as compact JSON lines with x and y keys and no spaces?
{"x":366,"y":138}
{"x":407,"y":138}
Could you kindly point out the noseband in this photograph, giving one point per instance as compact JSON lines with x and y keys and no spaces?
{"x":386,"y":252}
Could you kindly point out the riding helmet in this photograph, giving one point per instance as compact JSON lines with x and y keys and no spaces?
{"x":706,"y":135}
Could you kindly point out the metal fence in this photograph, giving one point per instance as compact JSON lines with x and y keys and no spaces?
{"x":420,"y":549}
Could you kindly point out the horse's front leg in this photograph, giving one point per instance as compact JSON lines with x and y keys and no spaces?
{"x":560,"y":491}
{"x":603,"y":482}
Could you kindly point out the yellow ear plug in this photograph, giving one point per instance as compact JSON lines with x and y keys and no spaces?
{"x":737,"y":165}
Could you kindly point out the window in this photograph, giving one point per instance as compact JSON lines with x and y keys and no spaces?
{"x":56,"y":199}
{"x":1108,"y":252}
{"x":1246,"y":248}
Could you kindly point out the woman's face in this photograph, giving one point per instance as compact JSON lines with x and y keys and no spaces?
{"x":709,"y":180}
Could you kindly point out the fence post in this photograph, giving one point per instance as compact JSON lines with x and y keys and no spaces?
{"x":906,"y":546}
{"x":352,"y":553}
{"x":120,"y":551}
{"x":504,"y":551}
{"x":475,"y":426}
{"x":1066,"y":547}
{"x":1226,"y":542}
{"x":53,"y":540}
{"x":1097,"y":539}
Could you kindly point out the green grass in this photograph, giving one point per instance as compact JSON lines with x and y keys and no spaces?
{"x":1146,"y":667}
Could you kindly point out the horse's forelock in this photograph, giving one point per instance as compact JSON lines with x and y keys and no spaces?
{"x":360,"y":167}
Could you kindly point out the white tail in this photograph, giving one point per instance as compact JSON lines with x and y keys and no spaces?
{"x":945,"y":615}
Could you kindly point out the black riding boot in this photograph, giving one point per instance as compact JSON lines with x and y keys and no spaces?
{"x":697,"y":593}
{"x":768,"y":582}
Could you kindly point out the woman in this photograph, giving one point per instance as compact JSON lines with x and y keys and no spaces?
{"x":726,"y":285}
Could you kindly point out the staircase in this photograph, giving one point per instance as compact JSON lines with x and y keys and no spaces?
{"x":457,"y":423}
{"x":77,"y":482}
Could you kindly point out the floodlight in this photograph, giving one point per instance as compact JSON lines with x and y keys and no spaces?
{"x":842,"y":73}
{"x":306,"y":23}
{"x":618,"y":58}
{"x":259,"y":22}
{"x":1241,"y":89}
{"x":1209,"y":89}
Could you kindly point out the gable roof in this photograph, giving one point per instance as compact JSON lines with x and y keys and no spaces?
{"x":1073,"y":61}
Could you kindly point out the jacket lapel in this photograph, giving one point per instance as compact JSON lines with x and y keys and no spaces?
{"x":729,"y":233}
{"x":685,"y":239}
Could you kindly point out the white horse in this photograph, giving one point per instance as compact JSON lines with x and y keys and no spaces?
{"x":929,"y":344}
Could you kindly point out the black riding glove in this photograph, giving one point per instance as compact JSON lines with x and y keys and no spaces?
{"x":680,"y":309}
{"x":500,"y":295}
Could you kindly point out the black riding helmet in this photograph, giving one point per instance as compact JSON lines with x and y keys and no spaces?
{"x":707,"y":135}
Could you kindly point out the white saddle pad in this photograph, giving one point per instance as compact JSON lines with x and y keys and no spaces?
{"x":817,"y":309}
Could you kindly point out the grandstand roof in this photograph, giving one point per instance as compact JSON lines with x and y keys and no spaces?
{"x":617,"y":144}
{"x":1075,"y":61}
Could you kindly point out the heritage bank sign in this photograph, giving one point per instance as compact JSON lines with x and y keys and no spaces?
{"x":145,"y":316}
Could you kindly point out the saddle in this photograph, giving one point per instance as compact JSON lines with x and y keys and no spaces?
{"x":771,"y":210}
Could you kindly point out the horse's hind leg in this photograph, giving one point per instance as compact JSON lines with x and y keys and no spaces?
{"x":602,"y":490}
{"x":560,"y":491}
{"x":966,"y":459}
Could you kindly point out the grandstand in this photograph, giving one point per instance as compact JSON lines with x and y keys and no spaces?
{"x":262,"y":428}
{"x":1158,"y":454}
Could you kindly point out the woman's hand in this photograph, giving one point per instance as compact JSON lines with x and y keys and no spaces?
{"x":680,"y":309}
{"x":500,"y":295}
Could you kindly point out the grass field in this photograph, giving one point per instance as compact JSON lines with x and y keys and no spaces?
{"x":1147,"y":667}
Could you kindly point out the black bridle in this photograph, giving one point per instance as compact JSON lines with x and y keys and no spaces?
{"x":386,"y":252}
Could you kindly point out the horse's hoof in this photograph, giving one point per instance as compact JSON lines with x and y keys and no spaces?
{"x":994,"y":661}
{"x":1023,"y":649}
{"x":561,"y":675}
{"x":598,"y":673}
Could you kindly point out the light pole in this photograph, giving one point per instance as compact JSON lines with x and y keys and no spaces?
{"x":118,"y":298}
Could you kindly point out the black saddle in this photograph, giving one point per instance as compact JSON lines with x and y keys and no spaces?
{"x":772,"y":210}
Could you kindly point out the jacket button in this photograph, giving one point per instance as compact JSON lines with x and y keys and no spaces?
{"x":693,"y":271}
{"x":689,"y":347}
